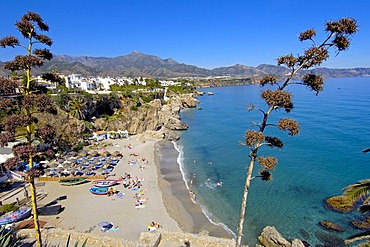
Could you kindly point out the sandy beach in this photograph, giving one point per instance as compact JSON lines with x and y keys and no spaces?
{"x":167,"y":198}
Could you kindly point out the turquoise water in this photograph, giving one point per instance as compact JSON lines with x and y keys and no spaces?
{"x":324,"y":158}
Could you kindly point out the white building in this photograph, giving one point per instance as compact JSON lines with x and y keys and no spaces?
{"x":76,"y":81}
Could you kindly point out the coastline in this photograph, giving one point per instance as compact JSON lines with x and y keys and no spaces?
{"x":83,"y":211}
{"x":168,"y":199}
{"x":176,"y":197}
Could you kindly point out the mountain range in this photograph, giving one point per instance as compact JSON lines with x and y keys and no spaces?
{"x":137,"y":64}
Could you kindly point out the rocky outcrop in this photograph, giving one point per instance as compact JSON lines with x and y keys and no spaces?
{"x":361,"y":224}
{"x":184,"y":100}
{"x":161,"y":134}
{"x":270,"y":237}
{"x":331,"y":226}
{"x":339,"y":204}
{"x":150,"y":117}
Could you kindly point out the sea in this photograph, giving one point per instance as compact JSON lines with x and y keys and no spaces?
{"x":318,"y":163}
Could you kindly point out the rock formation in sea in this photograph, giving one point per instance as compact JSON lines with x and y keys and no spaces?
{"x":339,"y":204}
{"x":272,"y":238}
{"x":331,"y":226}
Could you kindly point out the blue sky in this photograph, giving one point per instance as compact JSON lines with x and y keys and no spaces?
{"x":205,"y":33}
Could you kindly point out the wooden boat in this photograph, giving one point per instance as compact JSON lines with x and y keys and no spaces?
{"x":15,"y":216}
{"x":72,"y":181}
{"x":50,"y":210}
{"x":105,"y":183}
{"x":99,"y":191}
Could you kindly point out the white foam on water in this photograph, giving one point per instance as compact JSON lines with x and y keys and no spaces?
{"x":209,"y":215}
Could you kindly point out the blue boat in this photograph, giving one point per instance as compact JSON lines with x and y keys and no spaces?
{"x":99,"y":191}
{"x":15,"y":216}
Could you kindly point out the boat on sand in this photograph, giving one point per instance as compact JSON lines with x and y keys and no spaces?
{"x":105,"y":183}
{"x":99,"y":191}
{"x":72,"y":181}
{"x":15,"y":216}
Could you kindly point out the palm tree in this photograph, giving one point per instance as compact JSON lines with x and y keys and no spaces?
{"x":77,"y":108}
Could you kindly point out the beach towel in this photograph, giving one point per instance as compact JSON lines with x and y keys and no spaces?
{"x":120,"y":195}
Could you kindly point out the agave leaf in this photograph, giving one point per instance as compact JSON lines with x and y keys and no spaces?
{"x":357,"y":237}
{"x":68,"y":239}
{"x":358,"y":190}
{"x":84,"y":243}
{"x":7,"y":241}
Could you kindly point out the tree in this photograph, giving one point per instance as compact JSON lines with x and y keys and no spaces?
{"x":360,"y":191}
{"x":77,"y":108}
{"x":338,"y":35}
{"x":22,"y":122}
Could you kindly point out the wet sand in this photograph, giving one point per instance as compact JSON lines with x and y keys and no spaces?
{"x":168,"y":199}
{"x":176,"y":196}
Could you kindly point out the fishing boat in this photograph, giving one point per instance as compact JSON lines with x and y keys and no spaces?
{"x":15,"y":216}
{"x":72,"y":181}
{"x":105,"y":183}
{"x":99,"y":191}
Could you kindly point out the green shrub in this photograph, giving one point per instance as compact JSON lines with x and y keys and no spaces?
{"x":8,"y":208}
{"x":134,"y":108}
{"x":78,"y":147}
{"x":146,"y":99}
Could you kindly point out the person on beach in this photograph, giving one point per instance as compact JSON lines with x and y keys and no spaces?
{"x":154,"y":226}
{"x":108,"y":227}
{"x":192,"y":195}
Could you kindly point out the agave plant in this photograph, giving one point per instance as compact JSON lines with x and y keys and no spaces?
{"x":360,"y":191}
{"x":8,"y":238}
{"x":76,"y":244}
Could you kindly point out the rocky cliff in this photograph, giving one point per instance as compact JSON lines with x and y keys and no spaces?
{"x":151,"y":116}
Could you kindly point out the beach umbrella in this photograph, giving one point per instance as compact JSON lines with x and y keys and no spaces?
{"x":117,"y":153}
{"x":100,"y":170}
{"x":94,"y":162}
{"x":94,"y":153}
{"x":47,"y":171}
{"x":72,"y":169}
{"x":82,"y":154}
{"x":53,"y":164}
{"x":66,"y":165}
{"x":106,"y":153}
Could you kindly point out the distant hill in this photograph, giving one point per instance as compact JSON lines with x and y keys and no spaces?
{"x":139,"y":64}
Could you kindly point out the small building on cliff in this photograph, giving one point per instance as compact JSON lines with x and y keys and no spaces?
{"x":101,"y":135}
